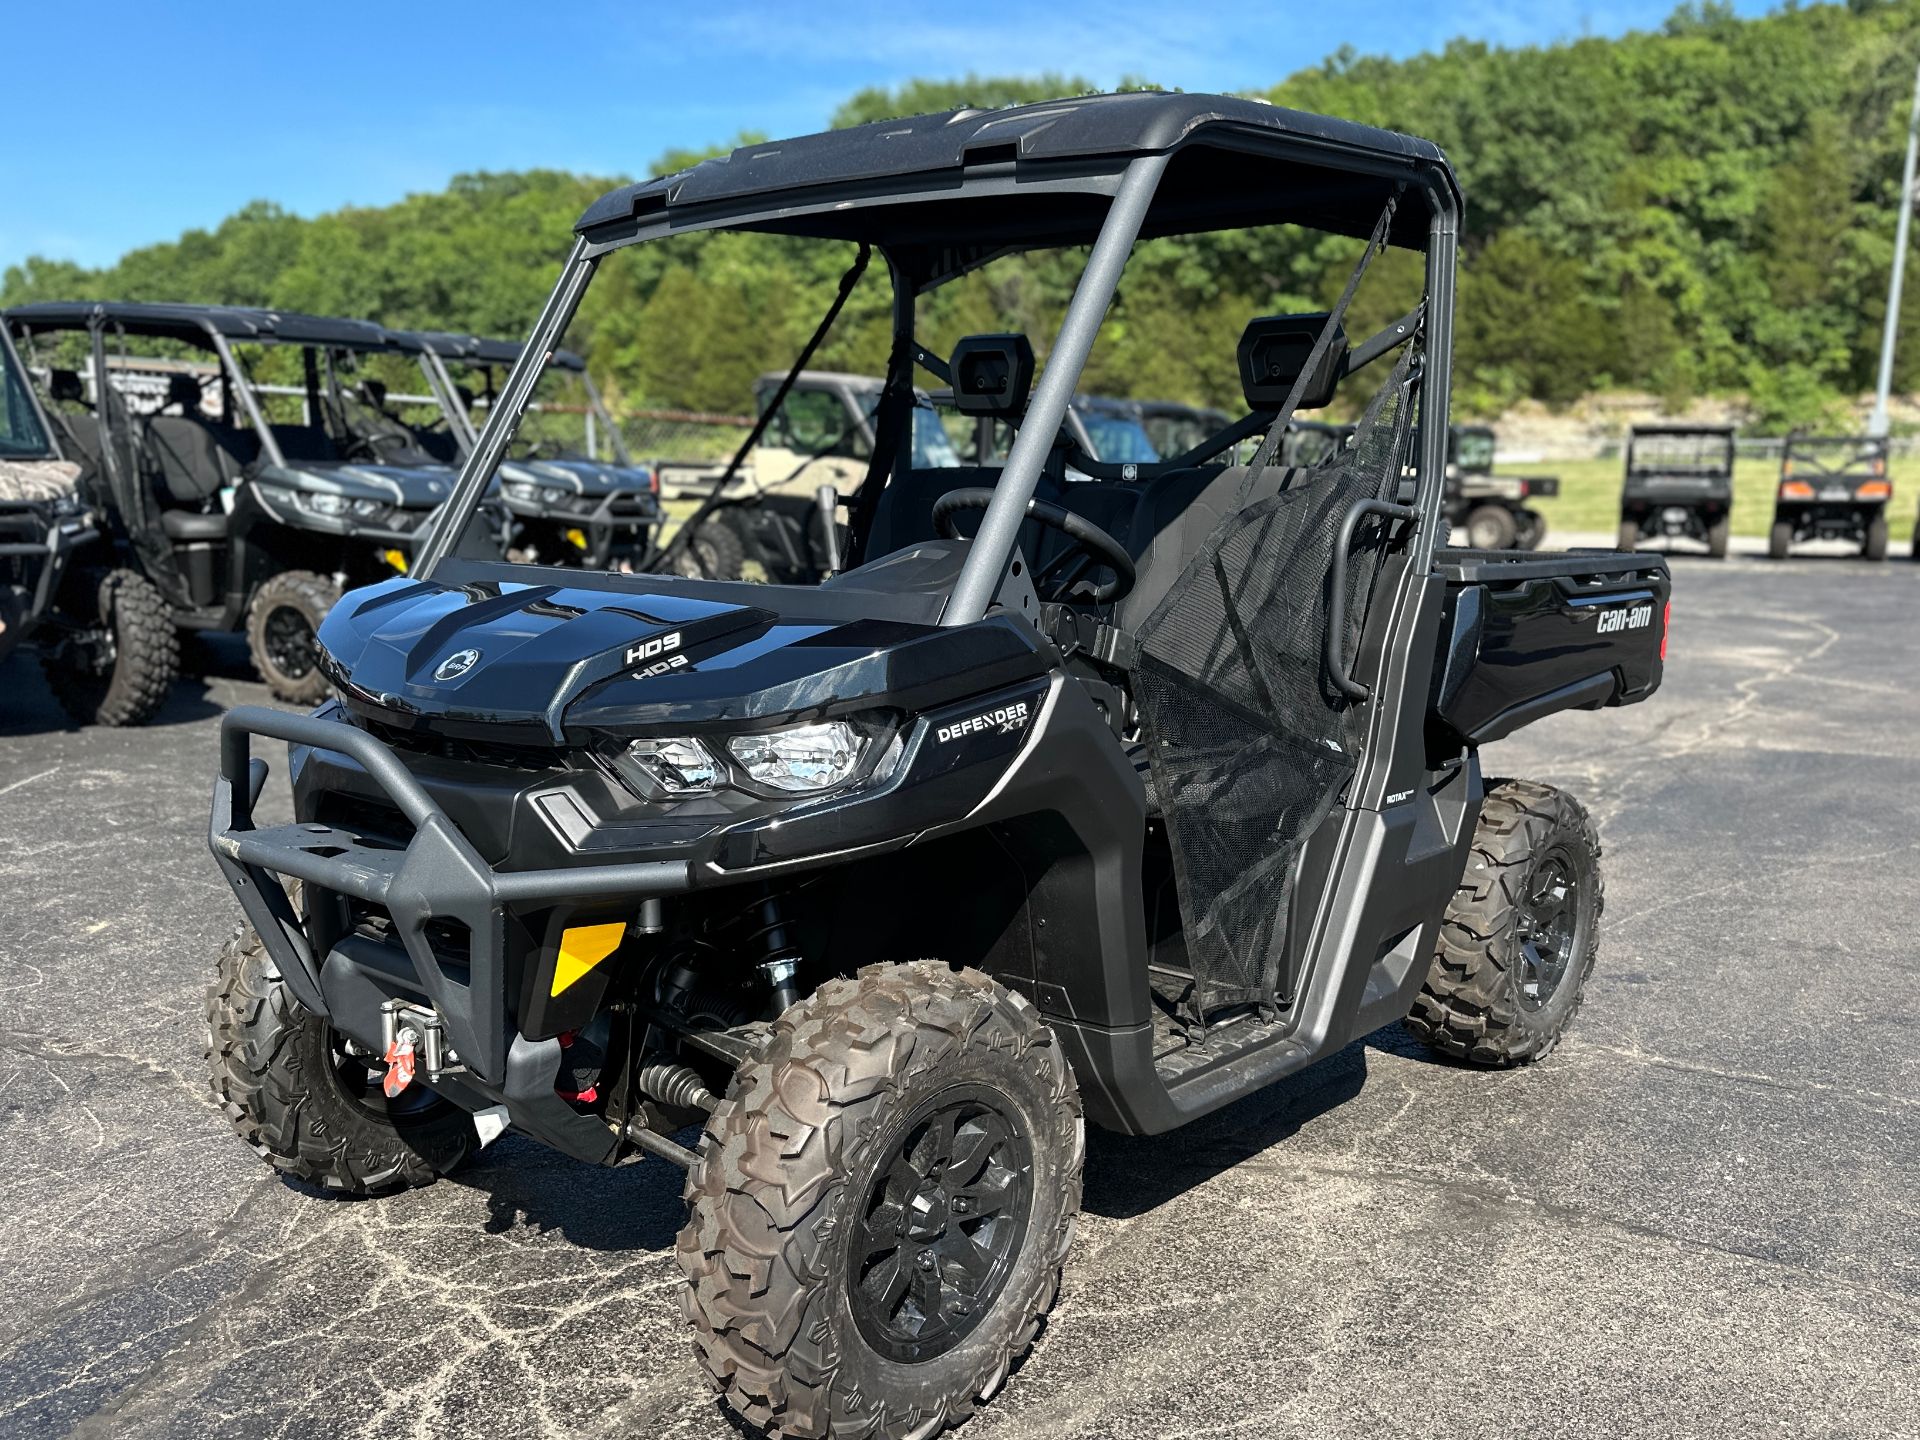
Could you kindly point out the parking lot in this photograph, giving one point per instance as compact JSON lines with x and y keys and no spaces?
{"x":1698,"y":1217}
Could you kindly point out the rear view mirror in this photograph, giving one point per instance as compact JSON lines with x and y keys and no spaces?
{"x":1274,"y":350}
{"x":992,"y":375}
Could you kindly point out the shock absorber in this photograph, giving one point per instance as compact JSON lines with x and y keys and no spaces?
{"x":765,"y":933}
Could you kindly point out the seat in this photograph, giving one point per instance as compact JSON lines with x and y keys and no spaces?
{"x":191,"y":525}
{"x":195,"y":458}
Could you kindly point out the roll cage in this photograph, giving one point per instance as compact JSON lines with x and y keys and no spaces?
{"x":938,"y":196}
{"x":218,"y":328}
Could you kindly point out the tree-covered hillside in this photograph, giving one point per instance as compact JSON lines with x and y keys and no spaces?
{"x":1707,"y":208}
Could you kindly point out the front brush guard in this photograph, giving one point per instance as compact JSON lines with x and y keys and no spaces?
{"x":437,"y":876}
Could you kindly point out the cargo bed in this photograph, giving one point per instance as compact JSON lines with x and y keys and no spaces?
{"x":1524,"y":634}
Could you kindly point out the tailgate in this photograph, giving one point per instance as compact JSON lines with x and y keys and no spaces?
{"x":1525,"y":635}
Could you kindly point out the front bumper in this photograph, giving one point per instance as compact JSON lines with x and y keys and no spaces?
{"x":437,"y":881}
{"x":35,"y":533}
{"x":618,"y":521}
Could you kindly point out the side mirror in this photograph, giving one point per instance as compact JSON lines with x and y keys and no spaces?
{"x":992,"y":375}
{"x":1274,"y":350}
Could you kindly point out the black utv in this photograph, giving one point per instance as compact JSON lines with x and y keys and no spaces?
{"x":57,"y":584}
{"x":1832,"y":487}
{"x":569,"y":503}
{"x":1120,"y":796}
{"x":1679,"y":485}
{"x":250,"y":505}
{"x":1492,"y":511}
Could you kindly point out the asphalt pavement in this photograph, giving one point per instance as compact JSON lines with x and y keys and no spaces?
{"x":1697,"y":1218}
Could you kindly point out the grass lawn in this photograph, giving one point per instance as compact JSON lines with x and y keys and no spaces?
{"x":1589,"y":497}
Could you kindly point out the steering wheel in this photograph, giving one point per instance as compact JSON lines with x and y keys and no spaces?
{"x":373,"y":448}
{"x":1092,"y":544}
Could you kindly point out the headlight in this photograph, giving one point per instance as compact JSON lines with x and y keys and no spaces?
{"x":525,"y":491}
{"x":321,"y":503}
{"x":678,"y":765}
{"x":804,"y":758}
{"x":336,"y":507}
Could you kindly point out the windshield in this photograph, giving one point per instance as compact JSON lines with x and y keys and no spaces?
{"x":21,"y":435}
{"x":1475,"y":451}
{"x":1118,"y":439}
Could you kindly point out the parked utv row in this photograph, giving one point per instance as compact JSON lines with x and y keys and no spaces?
{"x":1081,"y":787}
{"x":1679,"y":485}
{"x":223,"y":501}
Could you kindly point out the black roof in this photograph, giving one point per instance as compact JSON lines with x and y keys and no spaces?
{"x":485,"y":350}
{"x":193,"y":322}
{"x":872,"y":182}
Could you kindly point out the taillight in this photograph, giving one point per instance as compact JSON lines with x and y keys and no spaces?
{"x":1796,"y":490}
{"x":1876,"y":490}
{"x":653,"y":481}
{"x":1666,"y":623}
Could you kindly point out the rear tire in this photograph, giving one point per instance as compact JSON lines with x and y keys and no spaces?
{"x":1718,"y":533}
{"x":1491,"y":527}
{"x":823,"y":1302}
{"x":714,"y":553}
{"x":1875,"y":547}
{"x":1629,"y":535}
{"x":1533,"y":530}
{"x":126,"y":680}
{"x":282,"y":624}
{"x":1780,"y":540}
{"x":1520,"y":934}
{"x":281,"y":1075}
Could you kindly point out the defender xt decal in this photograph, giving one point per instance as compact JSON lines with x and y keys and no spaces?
{"x":1004,"y":721}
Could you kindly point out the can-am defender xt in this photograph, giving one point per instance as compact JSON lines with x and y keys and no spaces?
{"x":252,"y":507}
{"x":104,"y":636}
{"x":1832,"y":487}
{"x":1679,"y":485}
{"x":1491,"y":511}
{"x":568,"y":504}
{"x":1147,"y":794}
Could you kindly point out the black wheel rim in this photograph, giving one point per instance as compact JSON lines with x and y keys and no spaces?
{"x":360,"y":1078}
{"x":1548,"y":928}
{"x":943,"y":1224}
{"x":287,"y":639}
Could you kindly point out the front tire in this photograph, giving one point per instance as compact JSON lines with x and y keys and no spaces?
{"x":123,"y":674}
{"x":714,"y":553}
{"x":882,"y":1205}
{"x":282,"y":625}
{"x":1520,"y":934}
{"x":1780,"y":540}
{"x":305,"y":1104}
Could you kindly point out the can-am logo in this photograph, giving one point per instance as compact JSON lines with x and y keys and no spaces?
{"x":456,"y":665}
{"x":1636,"y":618}
{"x":1004,"y":721}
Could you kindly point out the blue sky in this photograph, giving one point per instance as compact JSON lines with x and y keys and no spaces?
{"x":133,"y":122}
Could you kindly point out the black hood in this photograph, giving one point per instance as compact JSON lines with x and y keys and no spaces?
{"x":555,"y":656}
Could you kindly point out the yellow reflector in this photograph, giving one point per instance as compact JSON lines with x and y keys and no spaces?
{"x":582,"y":948}
{"x":577,"y":539}
{"x":397,"y":559}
